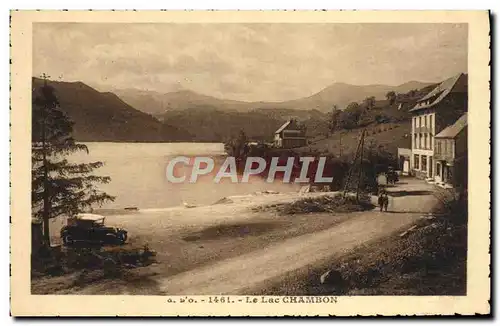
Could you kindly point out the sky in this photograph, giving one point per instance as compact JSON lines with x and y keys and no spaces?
{"x":247,"y":62}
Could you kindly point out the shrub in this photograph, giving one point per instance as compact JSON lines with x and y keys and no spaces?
{"x":452,"y":204}
{"x":327,"y":203}
{"x":109,"y":260}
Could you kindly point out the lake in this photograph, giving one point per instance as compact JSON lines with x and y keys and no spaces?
{"x":138,"y":177}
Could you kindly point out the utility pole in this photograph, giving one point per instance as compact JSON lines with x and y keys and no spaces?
{"x":346,"y":186}
{"x":360,"y":178}
{"x":340,"y":143}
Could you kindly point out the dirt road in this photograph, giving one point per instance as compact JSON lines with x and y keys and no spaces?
{"x":228,"y":248}
{"x":231,"y":276}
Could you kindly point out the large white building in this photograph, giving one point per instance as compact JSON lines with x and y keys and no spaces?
{"x":440,"y":108}
{"x":423,"y":130}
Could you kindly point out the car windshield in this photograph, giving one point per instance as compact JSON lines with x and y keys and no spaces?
{"x":86,"y":223}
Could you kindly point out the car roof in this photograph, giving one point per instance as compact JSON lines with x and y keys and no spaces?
{"x":88,"y":216}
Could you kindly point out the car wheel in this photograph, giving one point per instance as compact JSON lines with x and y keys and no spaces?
{"x":123,"y":237}
{"x":120,"y":238}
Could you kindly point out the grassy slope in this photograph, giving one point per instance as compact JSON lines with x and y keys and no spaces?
{"x":394,"y":132}
{"x":430,"y":261}
{"x":389,"y":135}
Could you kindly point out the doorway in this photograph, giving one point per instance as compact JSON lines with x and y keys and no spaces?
{"x":431,"y":167}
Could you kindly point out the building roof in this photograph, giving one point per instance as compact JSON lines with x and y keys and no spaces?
{"x":453,"y":130}
{"x":292,"y":123}
{"x":283,"y":126}
{"x":438,"y":93}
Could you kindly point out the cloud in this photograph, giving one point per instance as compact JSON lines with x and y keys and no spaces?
{"x":248,"y":61}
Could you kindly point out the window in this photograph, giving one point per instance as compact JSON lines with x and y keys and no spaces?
{"x":420,"y":145}
{"x":420,"y":121}
{"x":445,"y":149}
{"x":424,"y":163}
{"x":430,"y":123}
{"x":425,"y":121}
{"x":425,"y":141}
{"x":438,"y":146}
{"x":415,"y":141}
{"x":438,"y":169}
{"x":416,"y":163}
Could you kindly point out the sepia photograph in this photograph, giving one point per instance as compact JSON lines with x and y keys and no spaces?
{"x":253,"y":161}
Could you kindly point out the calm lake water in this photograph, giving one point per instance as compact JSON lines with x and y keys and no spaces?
{"x":138,"y":177}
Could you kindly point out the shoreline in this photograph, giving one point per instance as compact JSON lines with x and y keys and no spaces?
{"x":149,"y":142}
{"x":227,"y":200}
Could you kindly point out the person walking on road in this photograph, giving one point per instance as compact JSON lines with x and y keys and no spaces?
{"x":383,"y":200}
{"x":386,"y":201}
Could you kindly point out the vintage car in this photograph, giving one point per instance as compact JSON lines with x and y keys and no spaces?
{"x":89,"y":229}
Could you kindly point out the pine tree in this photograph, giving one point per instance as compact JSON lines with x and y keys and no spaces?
{"x":58,"y":186}
{"x":334,"y":122}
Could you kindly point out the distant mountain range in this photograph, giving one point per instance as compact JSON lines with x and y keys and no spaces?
{"x":103,"y":116}
{"x":339,"y":94}
{"x":144,"y":116}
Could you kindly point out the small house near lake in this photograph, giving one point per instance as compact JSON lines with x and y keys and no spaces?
{"x":290,"y":134}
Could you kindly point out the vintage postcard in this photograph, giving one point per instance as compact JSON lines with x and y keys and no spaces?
{"x":218,"y":163}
